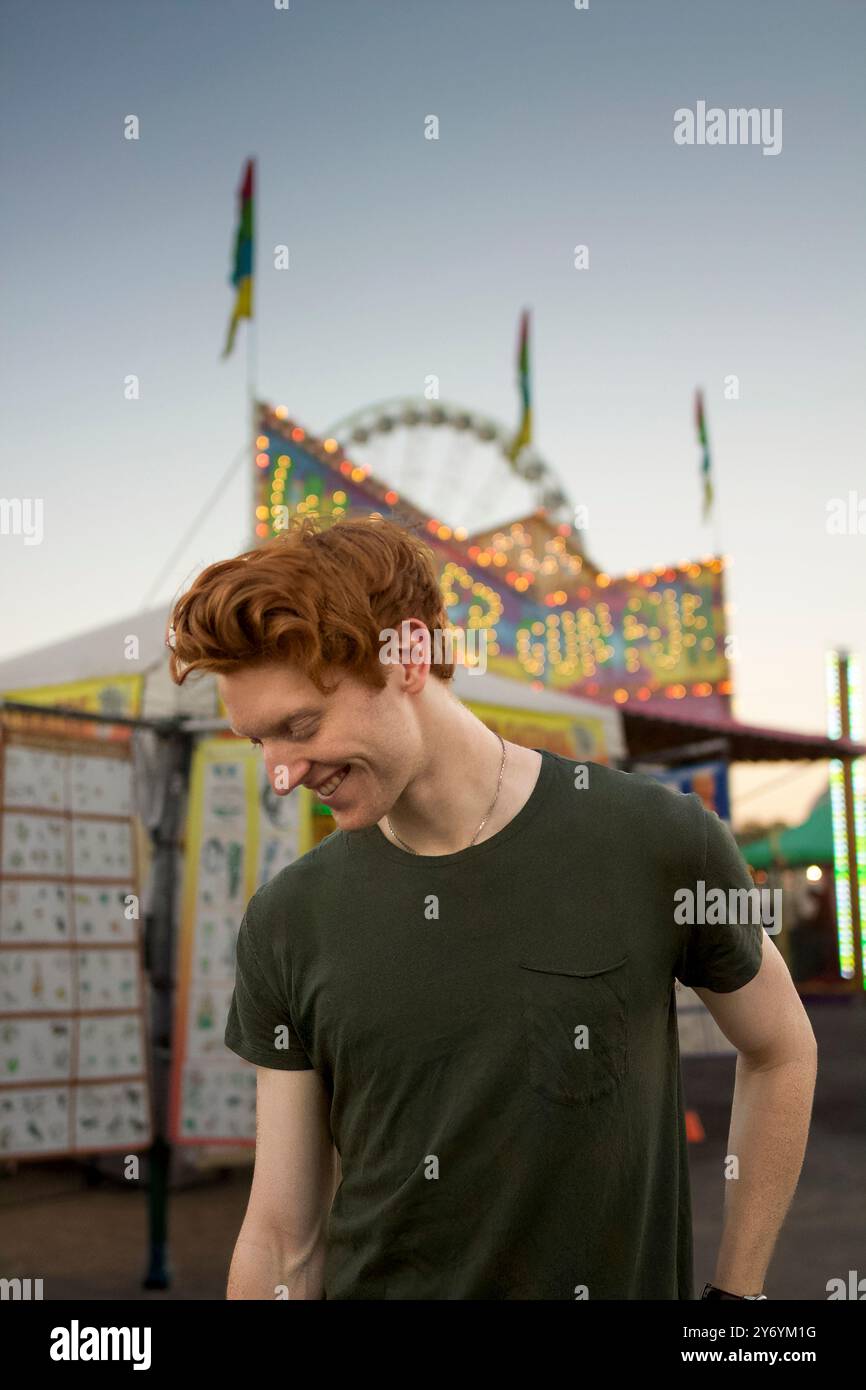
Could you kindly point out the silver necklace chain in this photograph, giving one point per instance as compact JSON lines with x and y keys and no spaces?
{"x":483,"y":823}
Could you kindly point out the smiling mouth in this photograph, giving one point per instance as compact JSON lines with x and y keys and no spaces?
{"x":328,"y":788}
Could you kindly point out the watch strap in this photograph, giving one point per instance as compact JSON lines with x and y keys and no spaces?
{"x":711,"y":1291}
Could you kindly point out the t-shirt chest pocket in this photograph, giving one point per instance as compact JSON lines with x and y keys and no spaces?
{"x":575,"y":1024}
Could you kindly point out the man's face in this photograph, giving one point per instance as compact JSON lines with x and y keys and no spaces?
{"x":357,"y":747}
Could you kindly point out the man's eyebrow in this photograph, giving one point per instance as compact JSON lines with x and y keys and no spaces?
{"x":281,"y":726}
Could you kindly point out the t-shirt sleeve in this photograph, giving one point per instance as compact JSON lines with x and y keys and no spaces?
{"x":721,"y":955}
{"x":259,"y":1026}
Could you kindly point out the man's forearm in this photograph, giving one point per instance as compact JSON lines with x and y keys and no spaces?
{"x":769,"y":1128}
{"x":263,"y":1266}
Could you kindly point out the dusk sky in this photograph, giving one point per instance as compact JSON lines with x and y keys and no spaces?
{"x":412,"y":257}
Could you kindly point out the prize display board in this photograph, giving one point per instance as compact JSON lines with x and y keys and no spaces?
{"x":239,"y":835}
{"x":73,"y":1045}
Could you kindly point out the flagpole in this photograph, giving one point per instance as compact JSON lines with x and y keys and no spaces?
{"x":252,"y":471}
{"x":709,"y":478}
{"x":717,"y":543}
{"x":252,"y":372}
{"x":717,"y":528}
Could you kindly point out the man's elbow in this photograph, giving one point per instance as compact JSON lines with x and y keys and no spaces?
{"x":797,"y":1050}
{"x":266,"y":1265}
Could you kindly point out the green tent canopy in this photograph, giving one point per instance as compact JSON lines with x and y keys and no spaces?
{"x":809,"y":843}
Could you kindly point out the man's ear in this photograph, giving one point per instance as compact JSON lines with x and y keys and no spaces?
{"x":415,"y":653}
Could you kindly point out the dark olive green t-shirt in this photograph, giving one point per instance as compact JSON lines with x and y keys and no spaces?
{"x":497,"y":1033}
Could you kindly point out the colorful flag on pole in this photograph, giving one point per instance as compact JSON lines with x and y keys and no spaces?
{"x":524,"y":431}
{"x":242,"y":270}
{"x":706,"y":473}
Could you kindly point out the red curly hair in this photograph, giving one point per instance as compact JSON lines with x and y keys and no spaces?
{"x":318,"y":598}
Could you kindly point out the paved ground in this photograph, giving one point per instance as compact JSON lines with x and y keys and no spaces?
{"x":89,"y":1242}
{"x":824,"y":1235}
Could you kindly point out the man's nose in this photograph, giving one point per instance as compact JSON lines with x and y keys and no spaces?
{"x":284,"y":774}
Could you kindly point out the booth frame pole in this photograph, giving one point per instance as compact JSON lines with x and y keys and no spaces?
{"x":160,"y":940}
{"x":850,"y":826}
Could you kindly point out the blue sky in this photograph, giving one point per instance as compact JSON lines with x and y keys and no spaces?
{"x":411,"y":257}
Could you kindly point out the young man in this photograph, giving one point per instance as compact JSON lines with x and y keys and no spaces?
{"x":461,"y":1003}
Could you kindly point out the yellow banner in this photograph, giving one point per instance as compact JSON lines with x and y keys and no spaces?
{"x":106,"y":695}
{"x":573,"y":736}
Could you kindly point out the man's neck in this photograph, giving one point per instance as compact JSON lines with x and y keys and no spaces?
{"x":442,"y":807}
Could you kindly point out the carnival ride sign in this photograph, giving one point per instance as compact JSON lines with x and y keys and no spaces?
{"x":648,"y":638}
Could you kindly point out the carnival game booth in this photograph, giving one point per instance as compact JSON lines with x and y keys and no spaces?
{"x":161,"y":805}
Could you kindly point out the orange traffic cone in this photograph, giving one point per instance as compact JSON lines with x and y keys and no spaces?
{"x":694,"y":1129}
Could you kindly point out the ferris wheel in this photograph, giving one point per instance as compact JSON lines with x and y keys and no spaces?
{"x":452,"y":463}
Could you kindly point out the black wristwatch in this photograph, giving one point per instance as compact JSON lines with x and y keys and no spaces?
{"x":710,"y":1291}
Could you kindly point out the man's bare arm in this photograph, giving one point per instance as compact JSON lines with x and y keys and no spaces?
{"x":281,"y":1244}
{"x":775,"y":1083}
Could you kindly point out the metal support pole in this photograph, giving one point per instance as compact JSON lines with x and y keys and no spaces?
{"x":159,"y":939}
